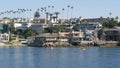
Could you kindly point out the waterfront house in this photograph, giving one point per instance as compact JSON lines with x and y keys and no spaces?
{"x":4,"y":32}
{"x":47,"y":39}
{"x":75,"y":37}
{"x":39,"y":28}
{"x":109,"y":37}
{"x":4,"y":37}
{"x":112,"y":34}
{"x":90,"y":27}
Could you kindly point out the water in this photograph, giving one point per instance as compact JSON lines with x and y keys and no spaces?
{"x":33,"y":57}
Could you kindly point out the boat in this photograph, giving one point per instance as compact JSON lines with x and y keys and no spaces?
{"x":82,"y":48}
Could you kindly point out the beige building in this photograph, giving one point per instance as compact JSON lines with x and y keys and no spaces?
{"x":5,"y":21}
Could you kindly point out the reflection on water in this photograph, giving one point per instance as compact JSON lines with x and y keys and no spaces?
{"x":32,"y":57}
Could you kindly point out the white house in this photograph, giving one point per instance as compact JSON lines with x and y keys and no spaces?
{"x":4,"y":37}
{"x":16,"y":25}
{"x":38,"y":28}
{"x":25,"y":25}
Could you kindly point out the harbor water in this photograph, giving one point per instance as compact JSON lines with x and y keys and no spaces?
{"x":35,"y":57}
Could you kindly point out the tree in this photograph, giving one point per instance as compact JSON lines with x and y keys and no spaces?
{"x":37,"y":14}
{"x":51,"y":16}
{"x":101,"y":19}
{"x":49,"y":8}
{"x":56,"y":29}
{"x":12,"y":29}
{"x":110,"y":14}
{"x":85,"y":22}
{"x":111,"y":23}
{"x":29,"y":32}
{"x":52,"y":8}
{"x":46,"y":21}
{"x":37,"y":17}
{"x":117,"y":18}
{"x":61,"y":28}
{"x":63,"y":12}
{"x":68,"y":11}
{"x":71,"y":11}
{"x":57,"y":13}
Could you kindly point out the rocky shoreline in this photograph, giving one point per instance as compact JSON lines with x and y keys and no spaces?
{"x":98,"y":44}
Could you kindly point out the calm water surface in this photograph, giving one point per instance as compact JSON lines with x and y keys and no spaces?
{"x":33,"y":57}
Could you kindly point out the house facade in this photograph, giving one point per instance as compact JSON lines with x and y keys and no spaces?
{"x":112,"y":34}
{"x":75,"y":37}
{"x":48,"y":40}
{"x":4,"y":37}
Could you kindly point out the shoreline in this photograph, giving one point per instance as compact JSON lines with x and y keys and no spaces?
{"x":107,"y":44}
{"x":73,"y":46}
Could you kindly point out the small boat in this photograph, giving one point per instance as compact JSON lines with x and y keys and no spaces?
{"x":82,"y":48}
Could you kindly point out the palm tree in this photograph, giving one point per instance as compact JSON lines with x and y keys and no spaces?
{"x":37,"y":16}
{"x":46,"y":20}
{"x":30,"y":12}
{"x":45,"y":9}
{"x":42,"y":9}
{"x":71,"y":11}
{"x":57,"y":13}
{"x":52,"y":8}
{"x":110,"y":14}
{"x":117,"y":18}
{"x":51,"y":16}
{"x":30,"y":9}
{"x":49,"y":8}
{"x":101,"y":19}
{"x":68,"y":11}
{"x":38,"y":9}
{"x":63,"y":12}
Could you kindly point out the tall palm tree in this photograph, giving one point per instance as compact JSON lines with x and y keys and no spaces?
{"x":57,"y":13}
{"x":30,"y":11}
{"x":68,"y":11}
{"x":37,"y":16}
{"x":38,"y":9}
{"x":42,"y":9}
{"x":49,"y":8}
{"x":71,"y":11}
{"x":51,"y":16}
{"x":52,"y":8}
{"x":110,"y":14}
{"x":45,"y":9}
{"x":62,"y":12}
{"x":46,"y":20}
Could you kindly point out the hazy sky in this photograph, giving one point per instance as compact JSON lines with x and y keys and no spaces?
{"x":84,"y":8}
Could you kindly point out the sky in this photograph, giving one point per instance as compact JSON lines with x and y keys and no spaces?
{"x":84,"y":8}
